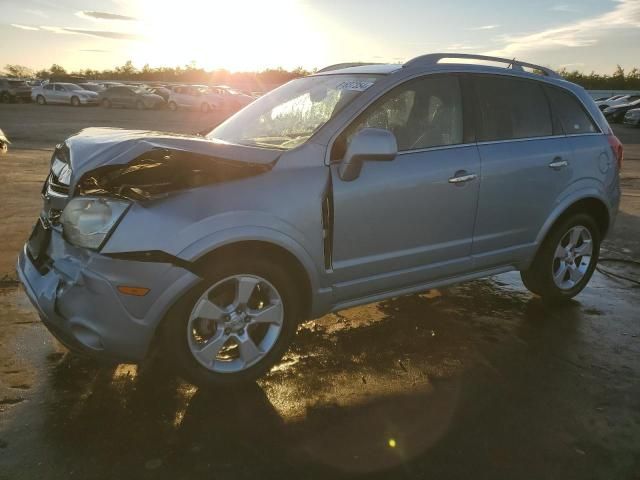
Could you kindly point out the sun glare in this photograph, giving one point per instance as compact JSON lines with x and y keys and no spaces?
{"x":238,"y":36}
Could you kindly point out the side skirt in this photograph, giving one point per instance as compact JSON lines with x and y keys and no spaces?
{"x":422,"y":287}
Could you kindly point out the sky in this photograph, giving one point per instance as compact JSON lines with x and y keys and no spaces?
{"x":585,"y":35}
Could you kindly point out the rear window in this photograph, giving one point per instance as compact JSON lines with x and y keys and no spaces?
{"x":510,"y":108}
{"x":17,"y":83}
{"x":570,"y":113}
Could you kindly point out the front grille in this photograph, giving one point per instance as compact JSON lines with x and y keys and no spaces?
{"x":53,"y":186}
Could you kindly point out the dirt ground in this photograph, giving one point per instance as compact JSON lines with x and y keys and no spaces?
{"x":481,"y":380}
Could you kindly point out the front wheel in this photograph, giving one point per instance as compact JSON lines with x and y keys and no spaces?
{"x":41,"y":100}
{"x":566,"y":260}
{"x":75,"y":101}
{"x":235,"y":325}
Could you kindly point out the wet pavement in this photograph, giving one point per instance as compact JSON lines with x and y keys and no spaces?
{"x":481,"y":380}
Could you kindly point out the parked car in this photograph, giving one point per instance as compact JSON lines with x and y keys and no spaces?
{"x":66,"y":93}
{"x":616,"y":113}
{"x":193,"y":97}
{"x":350,"y":186}
{"x":106,"y":85}
{"x":617,"y":100}
{"x":92,"y":87}
{"x":12,"y":89}
{"x":125,"y":96}
{"x":162,"y":91}
{"x":632,"y":117}
{"x":4,"y":142}
{"x":232,"y":99}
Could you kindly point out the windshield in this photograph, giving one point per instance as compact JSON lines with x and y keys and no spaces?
{"x":289,"y":115}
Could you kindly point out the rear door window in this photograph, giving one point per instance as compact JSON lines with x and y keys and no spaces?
{"x":570,"y":113}
{"x":511,"y":108}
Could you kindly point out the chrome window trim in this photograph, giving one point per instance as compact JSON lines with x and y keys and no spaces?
{"x":438,"y":147}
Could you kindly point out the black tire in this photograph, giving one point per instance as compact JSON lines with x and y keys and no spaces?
{"x":539,"y":277}
{"x":174,"y":343}
{"x":173,"y":106}
{"x":75,"y":101}
{"x":106,"y":103}
{"x":40,"y":100}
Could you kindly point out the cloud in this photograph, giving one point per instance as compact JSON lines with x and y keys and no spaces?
{"x":24,"y":27}
{"x":38,"y":13}
{"x":93,"y":50}
{"x":104,"y":34}
{"x":583,"y":33}
{"x":103,"y":16}
{"x":92,"y":33}
{"x":562,"y":8}
{"x":485,"y":27}
{"x":457,"y":47}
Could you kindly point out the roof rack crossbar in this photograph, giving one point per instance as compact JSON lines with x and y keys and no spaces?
{"x":434,"y":58}
{"x":339,"y":66}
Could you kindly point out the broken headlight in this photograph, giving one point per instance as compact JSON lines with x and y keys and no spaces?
{"x":87,"y":221}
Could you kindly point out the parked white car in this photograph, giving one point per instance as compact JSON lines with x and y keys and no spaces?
{"x":617,"y":100}
{"x":194,"y":97}
{"x":66,"y":93}
{"x":232,"y":98}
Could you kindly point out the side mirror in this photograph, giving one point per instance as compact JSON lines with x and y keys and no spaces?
{"x":373,"y":144}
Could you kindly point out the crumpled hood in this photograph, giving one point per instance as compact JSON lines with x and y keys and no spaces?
{"x":96,"y":147}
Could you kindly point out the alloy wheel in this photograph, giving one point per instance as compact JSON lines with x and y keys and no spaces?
{"x":235,"y":323}
{"x":572,"y":257}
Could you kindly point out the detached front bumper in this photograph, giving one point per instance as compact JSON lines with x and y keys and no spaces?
{"x":75,"y":293}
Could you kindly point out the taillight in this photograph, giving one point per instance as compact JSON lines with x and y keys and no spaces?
{"x":617,"y":149}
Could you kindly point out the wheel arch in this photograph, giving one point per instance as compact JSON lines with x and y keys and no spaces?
{"x":271,"y":250}
{"x":590,"y":204}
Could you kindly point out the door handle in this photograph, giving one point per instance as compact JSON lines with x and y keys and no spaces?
{"x":558,"y":163}
{"x":462,"y":177}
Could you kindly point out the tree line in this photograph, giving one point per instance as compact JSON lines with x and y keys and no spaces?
{"x":190,"y":73}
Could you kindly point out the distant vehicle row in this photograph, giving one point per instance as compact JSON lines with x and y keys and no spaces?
{"x":113,"y":94}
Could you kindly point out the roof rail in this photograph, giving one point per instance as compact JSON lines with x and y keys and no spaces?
{"x":434,"y":58}
{"x":339,"y":66}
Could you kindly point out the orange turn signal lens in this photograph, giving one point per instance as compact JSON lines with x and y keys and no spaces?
{"x":135,"y":291}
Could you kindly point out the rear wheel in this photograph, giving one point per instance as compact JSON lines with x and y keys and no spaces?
{"x":566,"y":260}
{"x":75,"y":101}
{"x":41,"y":100}
{"x":173,"y":106}
{"x":234,"y":326}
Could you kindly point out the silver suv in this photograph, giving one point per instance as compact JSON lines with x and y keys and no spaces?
{"x":355,"y":184}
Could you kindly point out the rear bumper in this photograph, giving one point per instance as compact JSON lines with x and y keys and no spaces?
{"x":76,"y":296}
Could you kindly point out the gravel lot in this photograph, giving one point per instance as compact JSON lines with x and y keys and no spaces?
{"x":480,"y":380}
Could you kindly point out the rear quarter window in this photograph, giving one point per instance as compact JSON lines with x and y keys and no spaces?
{"x":570,"y":113}
{"x":511,"y":108}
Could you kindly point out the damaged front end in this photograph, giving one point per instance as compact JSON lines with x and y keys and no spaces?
{"x":159,"y":172}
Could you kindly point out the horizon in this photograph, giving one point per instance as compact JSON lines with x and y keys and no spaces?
{"x":253,"y":36}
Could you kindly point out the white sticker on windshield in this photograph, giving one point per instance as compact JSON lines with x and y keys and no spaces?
{"x":355,"y":85}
